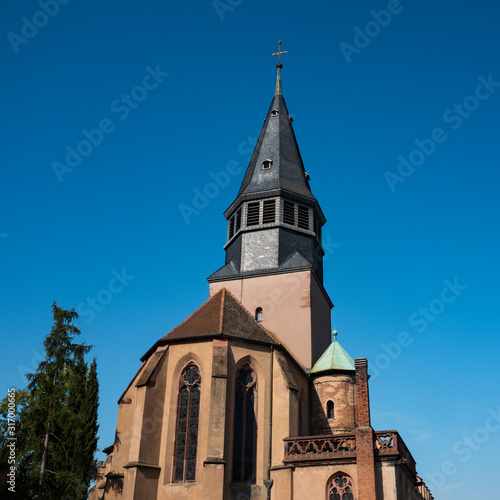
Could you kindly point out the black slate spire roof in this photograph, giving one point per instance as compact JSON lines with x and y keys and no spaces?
{"x":276,"y":143}
{"x":274,"y":224}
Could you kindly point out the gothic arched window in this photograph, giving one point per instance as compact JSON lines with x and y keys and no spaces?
{"x":340,"y":488}
{"x":186,"y":441}
{"x":245,"y":426}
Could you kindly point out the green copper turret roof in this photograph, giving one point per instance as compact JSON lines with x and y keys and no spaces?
{"x":334,"y":358}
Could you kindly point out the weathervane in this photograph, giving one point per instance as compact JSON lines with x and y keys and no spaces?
{"x":279,"y":54}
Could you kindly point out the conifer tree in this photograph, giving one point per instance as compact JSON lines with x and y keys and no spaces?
{"x":57,"y":418}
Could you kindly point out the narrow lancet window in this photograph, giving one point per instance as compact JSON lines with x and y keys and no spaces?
{"x":186,"y":441}
{"x":245,"y":427}
{"x":330,"y":412}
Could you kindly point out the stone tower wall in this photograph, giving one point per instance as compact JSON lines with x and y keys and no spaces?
{"x":338,"y":388}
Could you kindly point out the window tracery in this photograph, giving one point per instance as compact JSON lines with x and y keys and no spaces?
{"x":186,"y":442}
{"x":245,"y":426}
{"x":340,"y":488}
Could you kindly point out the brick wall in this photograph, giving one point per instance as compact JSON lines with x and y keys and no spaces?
{"x":338,"y":388}
{"x":364,"y":435}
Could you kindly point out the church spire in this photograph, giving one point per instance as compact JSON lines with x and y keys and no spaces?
{"x":275,"y":209}
{"x":274,"y":241}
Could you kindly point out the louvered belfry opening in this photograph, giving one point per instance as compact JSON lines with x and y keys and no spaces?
{"x":253,"y":214}
{"x":269,"y":215}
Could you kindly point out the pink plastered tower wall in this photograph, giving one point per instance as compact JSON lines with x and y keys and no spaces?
{"x":295,"y":308}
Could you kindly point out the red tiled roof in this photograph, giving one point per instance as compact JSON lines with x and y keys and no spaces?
{"x":223,"y":315}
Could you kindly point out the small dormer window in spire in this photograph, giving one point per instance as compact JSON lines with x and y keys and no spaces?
{"x":274,"y":112}
{"x":290,"y":118}
{"x":266,"y":164}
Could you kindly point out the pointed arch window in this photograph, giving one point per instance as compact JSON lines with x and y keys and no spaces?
{"x":340,"y":488}
{"x":245,"y":427}
{"x":188,"y":409}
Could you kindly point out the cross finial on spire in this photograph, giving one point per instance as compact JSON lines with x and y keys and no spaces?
{"x":279,"y":65}
{"x":334,"y":335}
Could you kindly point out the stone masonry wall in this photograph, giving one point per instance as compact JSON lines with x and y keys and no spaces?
{"x":338,"y":388}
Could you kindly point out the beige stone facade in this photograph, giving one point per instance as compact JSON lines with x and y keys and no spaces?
{"x":296,"y":445}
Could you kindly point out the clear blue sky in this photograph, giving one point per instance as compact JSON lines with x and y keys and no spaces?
{"x":359,"y":103}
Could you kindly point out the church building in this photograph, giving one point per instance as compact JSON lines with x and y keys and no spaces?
{"x":251,"y":396}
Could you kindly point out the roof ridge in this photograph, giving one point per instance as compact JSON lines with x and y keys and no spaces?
{"x":193,"y":313}
{"x":252,"y":316}
{"x":221,"y":314}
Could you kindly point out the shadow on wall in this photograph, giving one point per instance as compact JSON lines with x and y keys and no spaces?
{"x":115,"y":484}
{"x":245,"y":491}
{"x":319,"y":422}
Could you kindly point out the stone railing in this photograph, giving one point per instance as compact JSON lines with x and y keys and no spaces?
{"x":390,"y":443}
{"x":319,"y":447}
{"x":307,"y":448}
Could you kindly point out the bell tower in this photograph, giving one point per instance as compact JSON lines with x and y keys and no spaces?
{"x":274,"y":255}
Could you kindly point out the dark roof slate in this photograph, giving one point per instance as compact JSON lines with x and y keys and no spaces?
{"x":221,"y":315}
{"x":277,"y":143}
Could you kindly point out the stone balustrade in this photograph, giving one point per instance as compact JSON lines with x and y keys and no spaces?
{"x":342,"y":446}
{"x":319,"y":447}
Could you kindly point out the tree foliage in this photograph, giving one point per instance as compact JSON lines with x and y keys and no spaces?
{"x":56,"y":419}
